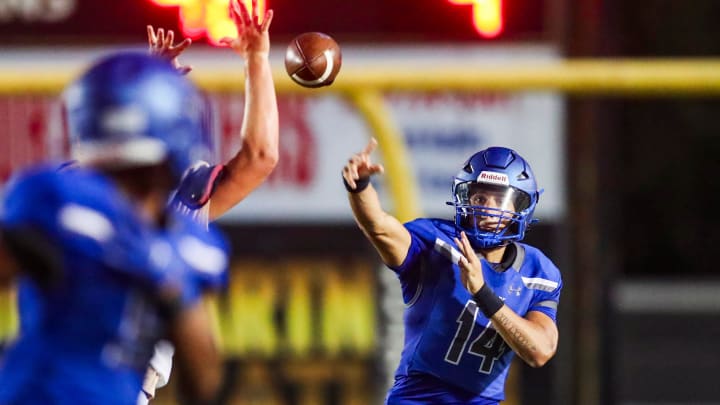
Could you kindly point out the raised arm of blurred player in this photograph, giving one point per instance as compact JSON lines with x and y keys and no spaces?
{"x":390,"y":238}
{"x":259,"y":152}
{"x":534,"y":338}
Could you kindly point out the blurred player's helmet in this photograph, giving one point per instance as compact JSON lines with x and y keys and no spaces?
{"x":494,"y":195}
{"x":131,"y":109}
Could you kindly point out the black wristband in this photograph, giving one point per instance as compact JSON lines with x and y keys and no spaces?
{"x":360,"y":184}
{"x":487,"y":301}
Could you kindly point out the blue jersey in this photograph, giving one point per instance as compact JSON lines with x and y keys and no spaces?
{"x":193,"y":194}
{"x":192,"y":200}
{"x":452,"y":354}
{"x":88,"y":336}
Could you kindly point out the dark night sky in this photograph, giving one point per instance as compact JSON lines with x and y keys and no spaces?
{"x":666,"y":151}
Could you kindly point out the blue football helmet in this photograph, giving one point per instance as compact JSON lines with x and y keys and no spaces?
{"x":494,"y":195}
{"x":131,"y":109}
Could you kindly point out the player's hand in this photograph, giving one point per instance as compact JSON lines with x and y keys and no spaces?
{"x":360,"y":166}
{"x":252,"y":35}
{"x":161,"y":44}
{"x":470,"y":266}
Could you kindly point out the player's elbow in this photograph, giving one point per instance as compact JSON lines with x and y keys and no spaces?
{"x":541,"y":356}
{"x":260,"y":164}
{"x":263,"y":157}
{"x":267,"y":158}
{"x":537,"y":361}
{"x":251,"y":164}
{"x":270,"y":161}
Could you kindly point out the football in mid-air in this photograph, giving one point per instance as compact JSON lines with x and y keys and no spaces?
{"x":313,"y":59}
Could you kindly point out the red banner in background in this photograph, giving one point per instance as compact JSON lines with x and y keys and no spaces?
{"x":318,"y":134}
{"x":31,"y":130}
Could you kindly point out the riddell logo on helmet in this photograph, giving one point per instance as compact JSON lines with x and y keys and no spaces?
{"x":493,"y":178}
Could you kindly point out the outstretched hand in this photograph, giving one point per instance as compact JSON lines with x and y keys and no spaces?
{"x":470,"y":265}
{"x":161,"y":44}
{"x":253,"y":37}
{"x":360,"y":166}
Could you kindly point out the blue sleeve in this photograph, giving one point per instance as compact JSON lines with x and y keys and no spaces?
{"x":547,"y":302}
{"x":197,"y":185}
{"x":418,"y":245}
{"x":204,"y":252}
{"x":541,"y":275}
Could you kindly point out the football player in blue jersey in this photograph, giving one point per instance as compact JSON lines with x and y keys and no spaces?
{"x":108,"y":269}
{"x":474,"y":294}
{"x":208,"y":190}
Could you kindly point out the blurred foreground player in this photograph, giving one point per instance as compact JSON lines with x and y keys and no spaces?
{"x":208,"y":190}
{"x":474,"y":294}
{"x":109,"y":270}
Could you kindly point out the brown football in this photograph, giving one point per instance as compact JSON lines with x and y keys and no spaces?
{"x":313,"y":59}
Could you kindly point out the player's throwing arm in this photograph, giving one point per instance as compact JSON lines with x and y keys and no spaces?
{"x":384,"y":231}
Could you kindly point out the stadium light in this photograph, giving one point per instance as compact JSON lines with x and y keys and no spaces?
{"x":487,"y":16}
{"x":207,"y":18}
